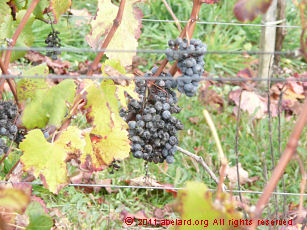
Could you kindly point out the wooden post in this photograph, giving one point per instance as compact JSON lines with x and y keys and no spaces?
{"x":267,"y":42}
{"x":280,"y":31}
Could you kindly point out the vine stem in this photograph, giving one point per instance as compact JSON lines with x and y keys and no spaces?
{"x":116,"y":24}
{"x":222,"y":156}
{"x":10,"y":83}
{"x":173,"y":15}
{"x":188,"y":30}
{"x":8,"y":54}
{"x":282,"y":164}
{"x":200,"y":160}
{"x":20,"y":27}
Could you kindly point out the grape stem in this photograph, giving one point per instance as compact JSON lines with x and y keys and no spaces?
{"x":186,"y":32}
{"x":200,"y":160}
{"x":10,"y":82}
{"x":116,"y":24}
{"x":8,"y":53}
{"x":173,"y":15}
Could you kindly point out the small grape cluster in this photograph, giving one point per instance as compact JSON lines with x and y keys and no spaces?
{"x":53,"y":41}
{"x":190,"y":62}
{"x":8,"y":113}
{"x":152,"y":128}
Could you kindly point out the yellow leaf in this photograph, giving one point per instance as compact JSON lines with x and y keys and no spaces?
{"x":13,"y":199}
{"x":129,"y":29}
{"x":44,"y":159}
{"x":108,"y":139}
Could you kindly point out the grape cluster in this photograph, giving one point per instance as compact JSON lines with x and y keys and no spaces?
{"x":8,"y":113}
{"x":152,"y":128}
{"x":3,"y":147}
{"x":53,"y":41}
{"x":190,"y":62}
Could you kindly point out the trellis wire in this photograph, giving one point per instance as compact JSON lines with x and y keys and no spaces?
{"x":158,"y":51}
{"x":223,"y":79}
{"x":272,"y":24}
{"x":153,"y":187}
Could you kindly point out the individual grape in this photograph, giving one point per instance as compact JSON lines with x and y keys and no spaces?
{"x":132,"y":124}
{"x":170,"y":159}
{"x":158,"y":106}
{"x":166,"y":106}
{"x":166,"y":115}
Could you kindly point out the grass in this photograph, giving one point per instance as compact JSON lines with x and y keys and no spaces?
{"x":90,"y":210}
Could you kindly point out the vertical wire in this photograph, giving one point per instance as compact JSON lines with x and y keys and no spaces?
{"x":237,"y":152}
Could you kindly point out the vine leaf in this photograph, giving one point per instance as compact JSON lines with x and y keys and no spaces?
{"x":108,"y":139}
{"x":195,"y":203}
{"x":27,"y":86}
{"x":130,"y":29}
{"x":9,"y":26}
{"x":49,"y":105}
{"x":38,"y":218}
{"x":13,"y":199}
{"x":44,"y":159}
{"x":248,"y":10}
{"x":5,"y":10}
{"x":113,"y":68}
{"x":40,"y":8}
{"x":58,"y":7}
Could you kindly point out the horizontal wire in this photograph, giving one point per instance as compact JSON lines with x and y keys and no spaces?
{"x":272,"y":24}
{"x":153,"y":187}
{"x":90,"y":50}
{"x":10,"y":76}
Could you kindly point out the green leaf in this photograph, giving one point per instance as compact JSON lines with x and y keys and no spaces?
{"x":115,"y":64}
{"x":25,"y":39}
{"x":129,"y":29}
{"x":38,"y":219}
{"x":26,"y":87}
{"x":44,"y":159}
{"x":248,"y":10}
{"x":195,"y":203}
{"x":58,"y":7}
{"x":41,"y":6}
{"x":13,"y":199}
{"x":49,"y":105}
{"x":4,"y":10}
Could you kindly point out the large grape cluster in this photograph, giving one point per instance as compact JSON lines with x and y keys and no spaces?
{"x":152,"y":128}
{"x":8,"y":113}
{"x":190,"y":62}
{"x":53,"y":41}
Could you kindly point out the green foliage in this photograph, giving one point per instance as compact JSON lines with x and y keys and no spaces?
{"x":26,"y":87}
{"x":9,"y":26}
{"x":38,"y":219}
{"x":59,"y":7}
{"x":49,"y":105}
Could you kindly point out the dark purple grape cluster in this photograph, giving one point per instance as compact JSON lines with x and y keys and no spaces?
{"x":191,"y":63}
{"x":3,"y":147}
{"x":8,"y":114}
{"x":152,"y":128}
{"x":53,"y":41}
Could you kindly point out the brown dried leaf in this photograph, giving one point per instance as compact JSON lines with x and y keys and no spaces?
{"x":248,"y":10}
{"x":83,"y":14}
{"x":211,"y":98}
{"x":231,"y":173}
{"x":194,"y":120}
